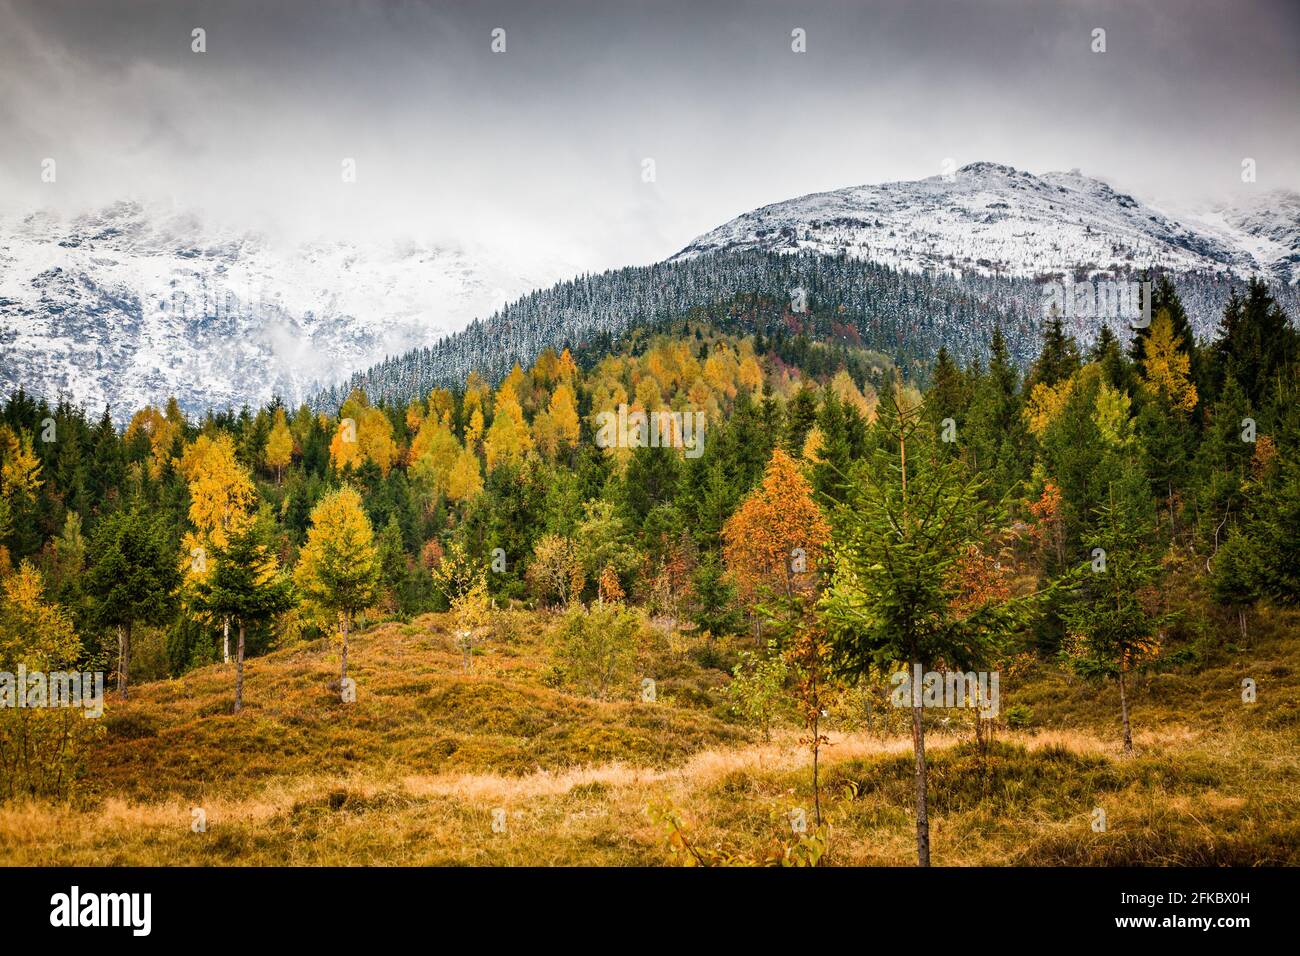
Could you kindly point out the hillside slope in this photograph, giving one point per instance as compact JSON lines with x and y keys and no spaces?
{"x":413,"y":772}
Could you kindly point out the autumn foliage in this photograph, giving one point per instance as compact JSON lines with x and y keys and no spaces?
{"x":777,"y":533}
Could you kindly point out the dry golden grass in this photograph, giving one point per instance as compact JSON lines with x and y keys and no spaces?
{"x":411,"y":774}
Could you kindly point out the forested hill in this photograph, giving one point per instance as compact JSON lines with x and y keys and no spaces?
{"x":905,"y":315}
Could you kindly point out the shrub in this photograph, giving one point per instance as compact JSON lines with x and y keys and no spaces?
{"x":130,"y":726}
{"x":42,"y":750}
{"x":555,"y":574}
{"x":596,"y":648}
{"x":1018,"y":716}
{"x":758,"y":687}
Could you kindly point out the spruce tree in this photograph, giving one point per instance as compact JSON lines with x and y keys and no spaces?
{"x":133,"y":579}
{"x":1235,"y":576}
{"x":897,"y":545}
{"x":1058,"y":360}
{"x":245,"y":585}
{"x":1115,"y":631}
{"x":1256,"y":342}
{"x":1278,"y":530}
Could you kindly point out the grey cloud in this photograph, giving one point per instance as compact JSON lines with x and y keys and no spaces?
{"x":451,"y":140}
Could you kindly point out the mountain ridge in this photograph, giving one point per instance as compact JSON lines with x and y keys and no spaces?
{"x":129,"y":305}
{"x":993,"y":219}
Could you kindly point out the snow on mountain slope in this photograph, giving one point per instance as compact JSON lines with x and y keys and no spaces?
{"x":995,"y":220}
{"x":1267,"y":225}
{"x":130,"y":305}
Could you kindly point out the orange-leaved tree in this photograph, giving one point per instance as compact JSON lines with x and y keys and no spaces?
{"x":775,"y":539}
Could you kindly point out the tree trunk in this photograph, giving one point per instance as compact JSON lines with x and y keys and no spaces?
{"x":1123,"y":707}
{"x":123,"y":659}
{"x":918,"y":748}
{"x":1173,"y":529}
{"x":817,"y":790}
{"x":343,"y":673}
{"x":239,"y":670}
{"x":225,"y":640}
{"x":1241,"y":619}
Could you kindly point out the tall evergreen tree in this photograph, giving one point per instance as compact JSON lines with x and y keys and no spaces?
{"x":1115,"y":629}
{"x":1058,"y":359}
{"x":246,"y":586}
{"x":894,"y":592}
{"x":133,"y":579}
{"x":1256,"y":343}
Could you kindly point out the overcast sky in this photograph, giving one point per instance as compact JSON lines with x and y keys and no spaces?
{"x":545,"y":143}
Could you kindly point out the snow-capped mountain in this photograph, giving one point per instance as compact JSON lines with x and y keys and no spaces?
{"x":129,"y":305}
{"x":995,"y":220}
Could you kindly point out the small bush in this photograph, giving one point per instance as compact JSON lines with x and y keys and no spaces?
{"x":596,"y":648}
{"x":1018,"y":716}
{"x":757,"y":689}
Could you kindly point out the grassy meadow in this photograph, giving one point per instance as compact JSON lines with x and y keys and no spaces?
{"x":412,"y":772}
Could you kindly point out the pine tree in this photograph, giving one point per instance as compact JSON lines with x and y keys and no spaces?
{"x":947,"y":395}
{"x":1058,"y":360}
{"x":108,"y":469}
{"x":1278,"y":528}
{"x":1164,"y":298}
{"x":715,"y":609}
{"x":245,"y":585}
{"x":895,"y":595}
{"x":801,"y":415}
{"x":835,"y":449}
{"x":1235,"y":576}
{"x":1256,"y":342}
{"x":995,"y":432}
{"x":392,"y":563}
{"x":133,"y":579}
{"x":1114,"y":630}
